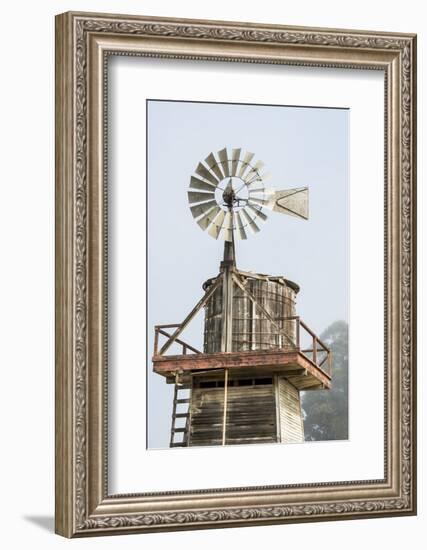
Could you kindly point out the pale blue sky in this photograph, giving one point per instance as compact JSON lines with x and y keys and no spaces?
{"x":300,"y":146}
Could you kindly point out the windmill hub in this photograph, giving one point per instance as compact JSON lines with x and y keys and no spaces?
{"x":232,"y":193}
{"x":229,"y":196}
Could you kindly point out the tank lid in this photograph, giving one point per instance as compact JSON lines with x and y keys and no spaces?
{"x":260,"y":276}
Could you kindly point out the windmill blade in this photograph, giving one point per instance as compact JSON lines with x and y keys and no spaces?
{"x":254,"y":172}
{"x":257,"y":211}
{"x":266,"y":202}
{"x":195,"y":196}
{"x":195,"y":183}
{"x":266,"y":176}
{"x":249,"y":221}
{"x":259,"y":177}
{"x":209,"y":217}
{"x":293,"y":202}
{"x":227,"y":227}
{"x":204,"y":172}
{"x":255,"y":179}
{"x":216,"y":226}
{"x":257,"y":191}
{"x":223,"y":157}
{"x":262,"y":196}
{"x":245,"y":164}
{"x":200,"y":209}
{"x":240,"y":229}
{"x":214,"y":166}
{"x":235,"y":154}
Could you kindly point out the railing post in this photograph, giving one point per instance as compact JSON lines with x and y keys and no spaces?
{"x":297,"y":320}
{"x":314,"y":350}
{"x":156,"y":339}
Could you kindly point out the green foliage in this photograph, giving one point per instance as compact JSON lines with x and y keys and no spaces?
{"x":325,"y":412}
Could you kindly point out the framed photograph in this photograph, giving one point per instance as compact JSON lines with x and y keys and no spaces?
{"x":235,"y":274}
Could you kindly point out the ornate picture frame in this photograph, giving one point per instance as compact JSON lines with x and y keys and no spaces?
{"x":84,"y":42}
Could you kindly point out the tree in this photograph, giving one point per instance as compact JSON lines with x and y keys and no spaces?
{"x":325,"y":412}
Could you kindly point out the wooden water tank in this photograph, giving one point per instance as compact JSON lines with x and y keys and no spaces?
{"x":251,"y":329}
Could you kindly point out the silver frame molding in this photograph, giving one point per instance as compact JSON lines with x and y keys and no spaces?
{"x":83,"y":43}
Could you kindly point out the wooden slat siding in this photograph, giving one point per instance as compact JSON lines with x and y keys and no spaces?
{"x":207,"y":408}
{"x":251,"y":329}
{"x":251,"y":415}
{"x":291,"y":425}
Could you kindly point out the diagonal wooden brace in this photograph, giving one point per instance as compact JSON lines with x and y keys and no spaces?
{"x":191,"y":315}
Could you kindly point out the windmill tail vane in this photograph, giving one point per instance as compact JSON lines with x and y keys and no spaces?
{"x":228,"y":197}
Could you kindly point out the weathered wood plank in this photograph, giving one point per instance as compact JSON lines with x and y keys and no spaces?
{"x":291,"y":425}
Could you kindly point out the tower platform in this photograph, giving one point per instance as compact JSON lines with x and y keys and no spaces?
{"x":298,"y":368}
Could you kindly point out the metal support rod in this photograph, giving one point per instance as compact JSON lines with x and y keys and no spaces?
{"x":224,"y":417}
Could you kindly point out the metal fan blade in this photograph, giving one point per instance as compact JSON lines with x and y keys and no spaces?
{"x":215,"y":228}
{"x":258,"y":177}
{"x":214,"y":166}
{"x":293,"y":202}
{"x":266,"y":176}
{"x":227,"y":227}
{"x":194,"y":196}
{"x":257,"y":211}
{"x":240,"y":229}
{"x":209,"y":217}
{"x":245,"y":164}
{"x":201,"y":185}
{"x":261,"y":192}
{"x":223,"y":157}
{"x":235,"y":154}
{"x":254,"y":180}
{"x":250,"y":221}
{"x":202,"y":208}
{"x":267,"y":203}
{"x":204,"y":172}
{"x":228,"y":221}
{"x":254,"y":172}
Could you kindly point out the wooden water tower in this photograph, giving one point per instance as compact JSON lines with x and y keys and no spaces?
{"x":258,"y":354}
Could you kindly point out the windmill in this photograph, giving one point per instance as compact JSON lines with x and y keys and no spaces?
{"x":228,"y":196}
{"x":258,"y":354}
